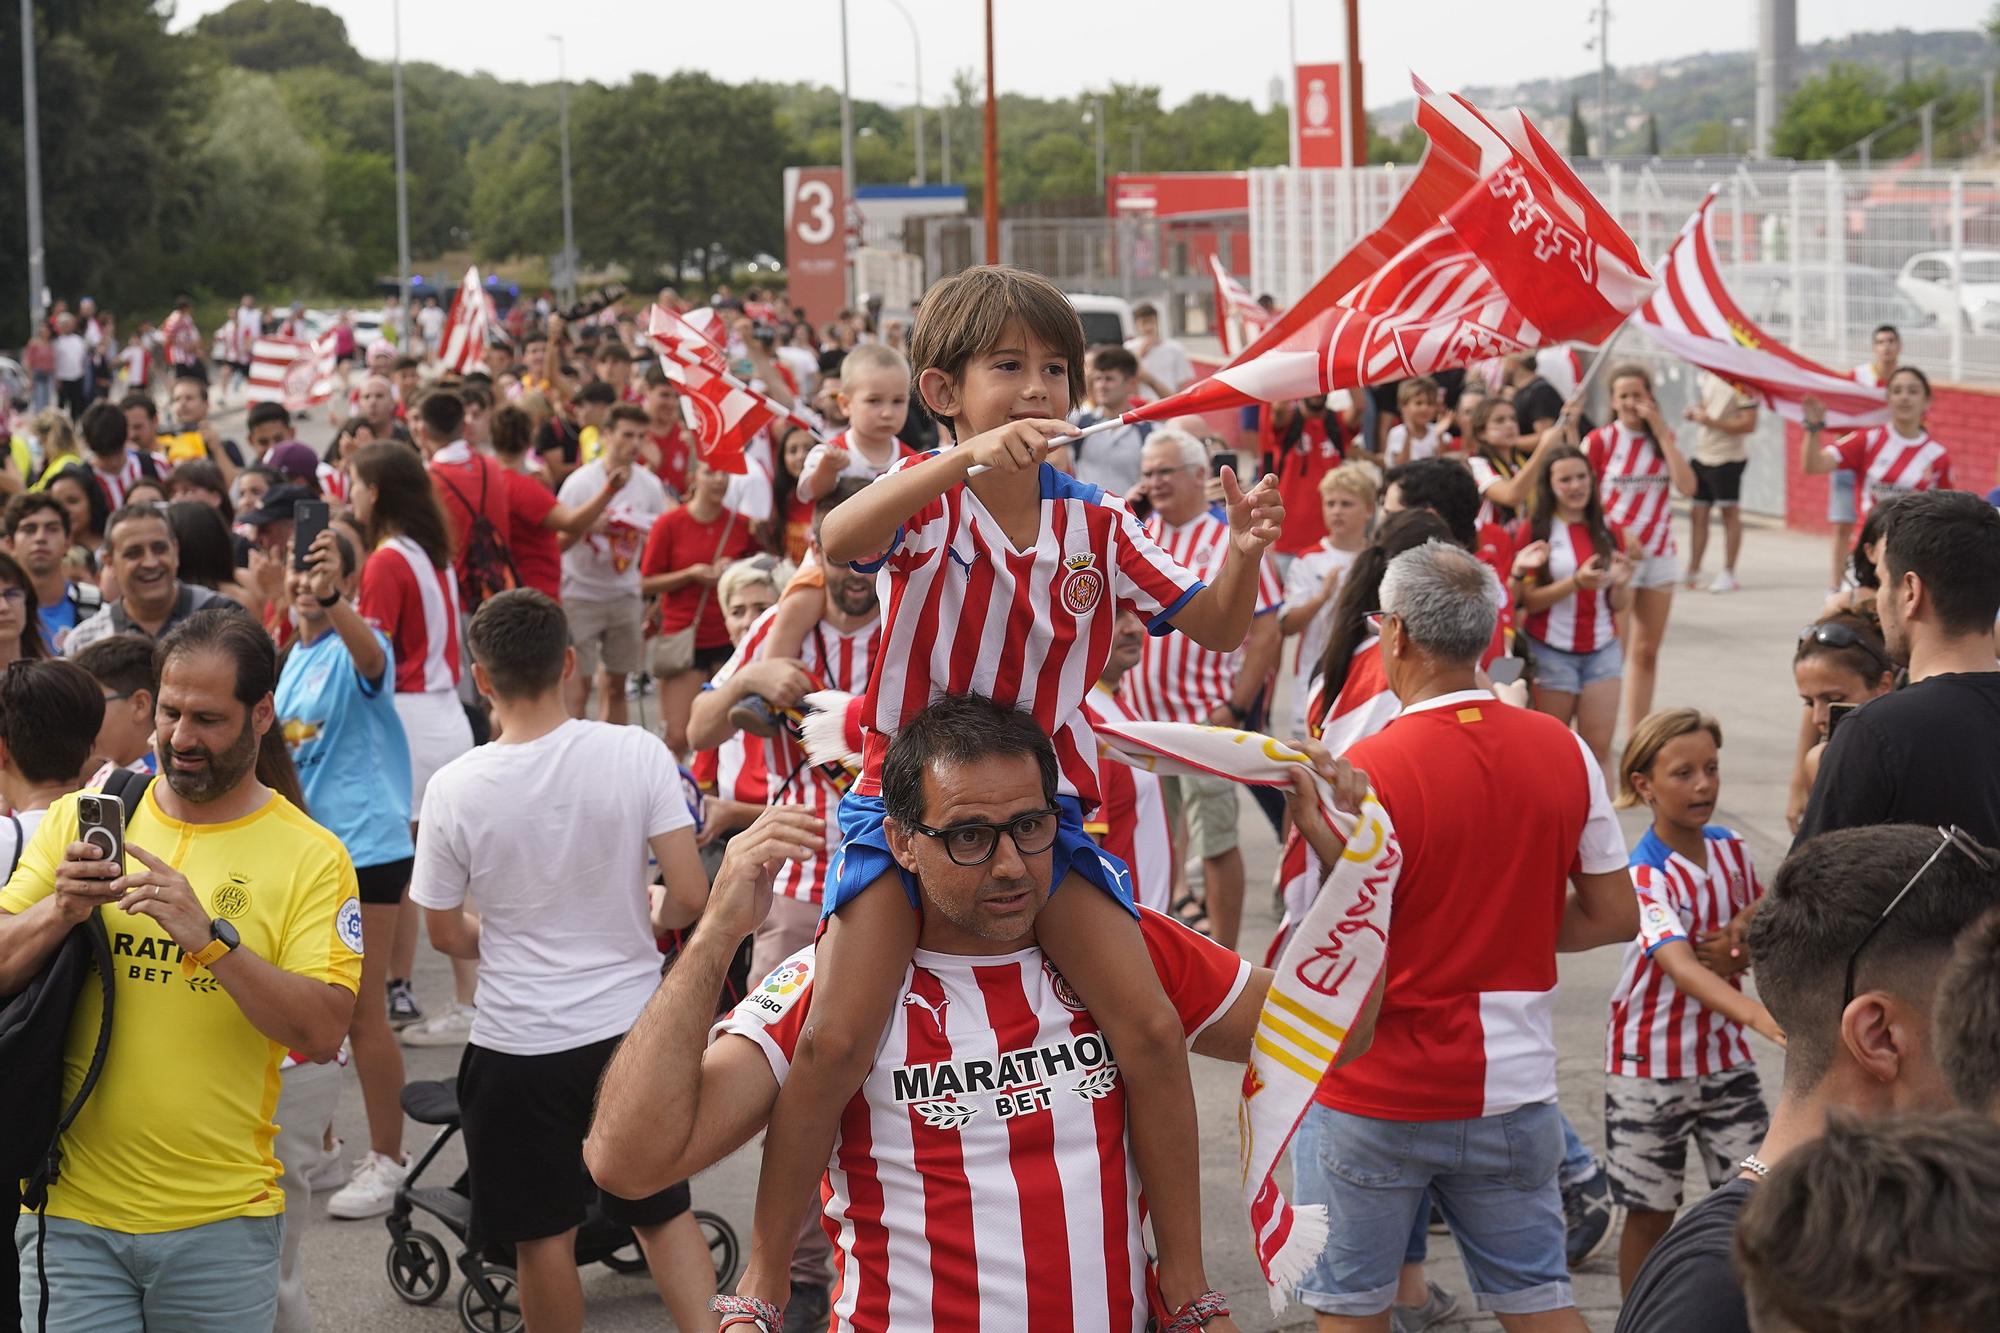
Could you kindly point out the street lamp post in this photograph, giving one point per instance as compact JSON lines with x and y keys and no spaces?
{"x":917,"y":45}
{"x":402,"y":196}
{"x":32,"y":134}
{"x":566,"y":284}
{"x":846,"y":152}
{"x":1094,"y":116}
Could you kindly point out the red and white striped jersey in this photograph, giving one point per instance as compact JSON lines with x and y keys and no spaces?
{"x":841,"y":662}
{"x":1889,"y":465}
{"x":1581,"y":622}
{"x":857,"y":464}
{"x":332,"y":482}
{"x":733,"y":770}
{"x":116,"y":484}
{"x":1655,"y":1030}
{"x":981,"y":1179}
{"x":965,"y":612}
{"x":1303,"y":582}
{"x":1484,"y":473}
{"x":1638,"y":493}
{"x":1132,"y":824}
{"x":416,"y":604}
{"x":1178,"y":680}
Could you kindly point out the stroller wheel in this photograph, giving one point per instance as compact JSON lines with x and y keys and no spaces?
{"x":418,"y":1269}
{"x":723,"y":1249}
{"x":489,"y":1303}
{"x":628,"y":1259}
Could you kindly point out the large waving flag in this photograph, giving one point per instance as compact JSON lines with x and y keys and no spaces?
{"x":1239,"y":320}
{"x":292,"y":371}
{"x":1495,"y":247}
{"x":727,"y":413}
{"x":1694,"y":317}
{"x":467,"y":326}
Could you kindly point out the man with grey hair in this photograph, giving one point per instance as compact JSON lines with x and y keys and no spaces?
{"x":1498,"y":810}
{"x":1177,"y":680}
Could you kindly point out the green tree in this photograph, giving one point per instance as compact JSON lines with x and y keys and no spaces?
{"x":259,"y":191}
{"x":1650,"y":144}
{"x":1828,"y":114}
{"x":273,"y":35}
{"x":1579,"y":133}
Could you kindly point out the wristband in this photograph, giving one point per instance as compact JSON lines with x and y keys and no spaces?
{"x":329,"y":601}
{"x":1234,"y":711}
{"x":1814,"y":427}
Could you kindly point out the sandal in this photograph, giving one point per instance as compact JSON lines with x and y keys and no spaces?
{"x":753,"y":1315}
{"x":1189,"y":911}
{"x":1196,"y":1313}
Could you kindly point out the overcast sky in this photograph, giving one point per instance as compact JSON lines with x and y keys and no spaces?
{"x":1052,"y":48}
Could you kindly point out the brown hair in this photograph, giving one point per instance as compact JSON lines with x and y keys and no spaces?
{"x":628,"y":412}
{"x":511,"y":430}
{"x":1415,"y":387}
{"x":966,"y":315}
{"x":1643,"y":747}
{"x":1966,"y":1017}
{"x":405,"y":504}
{"x":1890,"y":1225}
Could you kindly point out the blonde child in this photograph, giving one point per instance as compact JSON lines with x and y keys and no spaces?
{"x":1420,"y":433}
{"x":1676,"y":1062}
{"x":1005,"y":584}
{"x":1347,"y":504}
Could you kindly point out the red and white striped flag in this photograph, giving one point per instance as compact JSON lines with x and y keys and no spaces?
{"x":1495,"y":247}
{"x":467,"y":326}
{"x":292,"y":371}
{"x":1694,"y":317}
{"x":725,"y":412}
{"x":1239,"y":320}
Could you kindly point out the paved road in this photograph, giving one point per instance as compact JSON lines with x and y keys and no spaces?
{"x":1729,"y":654}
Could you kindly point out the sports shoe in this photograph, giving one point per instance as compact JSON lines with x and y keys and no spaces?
{"x":1724,"y":582}
{"x":807,"y":1309}
{"x":403,"y":1009}
{"x":372,"y":1191}
{"x":1589,"y":1216}
{"x":329,"y":1171}
{"x":450,"y":1028}
{"x":1439,"y":1305}
{"x":753,"y":714}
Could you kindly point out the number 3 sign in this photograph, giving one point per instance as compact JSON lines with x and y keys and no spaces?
{"x":815,"y":249}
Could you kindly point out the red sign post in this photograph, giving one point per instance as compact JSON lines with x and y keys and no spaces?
{"x":816,"y":241}
{"x":1319,"y":107}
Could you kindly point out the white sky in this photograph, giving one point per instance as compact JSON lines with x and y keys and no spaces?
{"x":1183,"y":46}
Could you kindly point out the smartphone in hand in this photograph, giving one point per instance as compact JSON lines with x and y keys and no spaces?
{"x":1224,"y":458}
{"x":309,"y":520}
{"x":100,"y":821}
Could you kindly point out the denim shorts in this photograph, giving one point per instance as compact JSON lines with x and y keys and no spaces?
{"x":223,"y":1275}
{"x":1494,"y":1179}
{"x":1840,"y":496}
{"x":1567,"y":673}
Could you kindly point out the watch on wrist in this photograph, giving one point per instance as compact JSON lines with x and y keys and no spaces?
{"x":222,"y":938}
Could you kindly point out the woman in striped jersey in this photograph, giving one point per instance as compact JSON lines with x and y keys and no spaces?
{"x":1573,"y":598}
{"x":1887,"y":461}
{"x":1639,"y":467}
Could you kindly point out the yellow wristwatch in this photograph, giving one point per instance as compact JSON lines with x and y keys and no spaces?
{"x":222,"y":938}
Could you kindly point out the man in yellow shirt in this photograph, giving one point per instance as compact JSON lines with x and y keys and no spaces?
{"x":235,"y":930}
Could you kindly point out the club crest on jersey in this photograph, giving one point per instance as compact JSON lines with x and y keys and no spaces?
{"x":1082,"y":583}
{"x":1065,"y":992}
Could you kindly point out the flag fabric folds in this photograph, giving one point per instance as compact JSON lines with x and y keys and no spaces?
{"x":1238,"y":317}
{"x":293,"y":371}
{"x":1694,"y":317}
{"x":466,"y":328}
{"x":1495,"y":247}
{"x":725,"y":412}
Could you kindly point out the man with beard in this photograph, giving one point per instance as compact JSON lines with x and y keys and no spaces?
{"x":375,"y":403}
{"x":145,"y":560}
{"x":168,"y":1213}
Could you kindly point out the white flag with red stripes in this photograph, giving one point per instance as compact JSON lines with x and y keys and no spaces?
{"x":726,"y":413}
{"x":1694,"y":317}
{"x":1495,"y":247}
{"x":463,"y":343}
{"x":292,"y":371}
{"x":1239,"y":320}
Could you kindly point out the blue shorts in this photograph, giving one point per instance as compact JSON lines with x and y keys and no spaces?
{"x":1494,"y":1179}
{"x":864,"y":857}
{"x":1840,"y":496}
{"x":1568,"y":673}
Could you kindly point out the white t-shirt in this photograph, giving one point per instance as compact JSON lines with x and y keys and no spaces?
{"x":431,"y":320}
{"x":1166,"y":360}
{"x":548,"y":841}
{"x":604,"y":566}
{"x":11,"y":846}
{"x":72,"y":356}
{"x":1418,"y":446}
{"x":1303,"y":581}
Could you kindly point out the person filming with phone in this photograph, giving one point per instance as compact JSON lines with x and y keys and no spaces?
{"x":234,"y":927}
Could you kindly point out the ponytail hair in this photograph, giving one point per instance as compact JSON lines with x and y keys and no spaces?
{"x":1361,"y":593}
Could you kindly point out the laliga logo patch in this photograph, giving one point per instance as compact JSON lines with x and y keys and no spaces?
{"x":1082,"y":584}
{"x":347,"y":924}
{"x":788,"y":978}
{"x":1065,"y":992}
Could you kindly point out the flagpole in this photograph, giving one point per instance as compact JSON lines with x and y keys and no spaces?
{"x":402,"y":199}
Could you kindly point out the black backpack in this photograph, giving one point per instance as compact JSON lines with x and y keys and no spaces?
{"x":489,"y":565}
{"x":34,"y":1027}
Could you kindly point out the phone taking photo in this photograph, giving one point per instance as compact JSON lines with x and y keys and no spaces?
{"x":309,"y":520}
{"x":1223,"y":458}
{"x":100,"y":821}
{"x":1835,"y":714}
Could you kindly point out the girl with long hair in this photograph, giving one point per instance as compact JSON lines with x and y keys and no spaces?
{"x":1886,"y":461}
{"x":1352,"y":699}
{"x":1841,"y":662}
{"x":1638,"y":467}
{"x":1571,"y":598}
{"x":1504,"y":466}
{"x":20,"y":616}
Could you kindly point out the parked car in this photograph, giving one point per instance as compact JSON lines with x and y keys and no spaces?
{"x":1873,"y":297}
{"x":1929,"y":279}
{"x":1106,"y":319}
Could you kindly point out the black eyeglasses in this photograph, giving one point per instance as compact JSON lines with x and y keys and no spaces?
{"x":973,"y":844}
{"x":1947,"y":837}
{"x":1833,"y":634}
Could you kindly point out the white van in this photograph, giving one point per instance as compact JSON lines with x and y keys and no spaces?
{"x":1106,"y":319}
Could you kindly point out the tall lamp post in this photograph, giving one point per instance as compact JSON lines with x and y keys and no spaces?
{"x":566,"y":279}
{"x":991,"y":190}
{"x":32,"y":134}
{"x":916,"y":44}
{"x":402,"y":196}
{"x":846,"y":155}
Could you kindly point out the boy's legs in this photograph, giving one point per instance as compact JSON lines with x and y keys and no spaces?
{"x":1647,"y":1125}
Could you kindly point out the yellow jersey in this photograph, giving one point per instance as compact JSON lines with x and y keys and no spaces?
{"x":178,"y":1130}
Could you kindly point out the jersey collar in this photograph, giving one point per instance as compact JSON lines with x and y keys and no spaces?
{"x":1452,"y":700}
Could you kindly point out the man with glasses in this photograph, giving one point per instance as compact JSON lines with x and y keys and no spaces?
{"x":1923,"y":754}
{"x":122,"y":665}
{"x":1850,"y":942}
{"x":983,"y":1170}
{"x":1178,"y":680}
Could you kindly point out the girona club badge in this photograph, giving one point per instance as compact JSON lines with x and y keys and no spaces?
{"x":1081,"y":585}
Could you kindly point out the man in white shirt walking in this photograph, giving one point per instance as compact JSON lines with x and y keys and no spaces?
{"x":530,"y":861}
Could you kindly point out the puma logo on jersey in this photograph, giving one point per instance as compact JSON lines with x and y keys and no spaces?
{"x":936,"y":1011}
{"x":963,"y":563}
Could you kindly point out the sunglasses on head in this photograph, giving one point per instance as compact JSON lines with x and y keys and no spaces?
{"x":1948,"y":839}
{"x":1834,"y":634}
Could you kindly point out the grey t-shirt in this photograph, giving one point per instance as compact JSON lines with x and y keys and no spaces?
{"x":111,"y":618}
{"x":1110,"y":460}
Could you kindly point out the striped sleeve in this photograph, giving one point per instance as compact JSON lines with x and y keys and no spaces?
{"x":1659,"y":924}
{"x":1270,"y":588}
{"x":1149,"y":580}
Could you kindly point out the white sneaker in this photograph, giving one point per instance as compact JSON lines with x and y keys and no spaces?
{"x":330,"y":1171}
{"x":450,"y":1028}
{"x":372,"y":1191}
{"x":1724,"y":582}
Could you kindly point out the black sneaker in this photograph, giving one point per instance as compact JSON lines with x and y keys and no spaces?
{"x":753,"y":715}
{"x":1589,"y":1217}
{"x":403,"y":1009}
{"x":807,"y":1309}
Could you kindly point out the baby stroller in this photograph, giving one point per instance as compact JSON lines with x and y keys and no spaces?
{"x":420,"y":1272}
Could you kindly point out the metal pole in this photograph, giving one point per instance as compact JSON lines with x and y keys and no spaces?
{"x":944,"y":140}
{"x":1099,"y":118}
{"x":402,"y":195}
{"x":32,"y":135}
{"x":846,"y":155}
{"x":1603,"y":78}
{"x":991,"y":189}
{"x":1958,"y":274}
{"x":1924,"y":114}
{"x":566,"y":288}
{"x":1357,"y":115}
{"x":1291,"y":78}
{"x":1986,"y":111}
{"x":917,"y":44}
